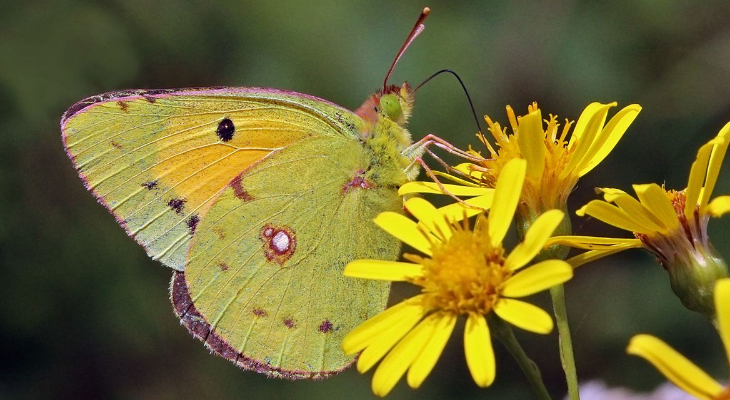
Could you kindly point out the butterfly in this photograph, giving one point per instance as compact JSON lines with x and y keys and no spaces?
{"x":257,"y":198}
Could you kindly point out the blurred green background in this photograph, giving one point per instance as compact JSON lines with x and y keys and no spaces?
{"x":85,"y":314}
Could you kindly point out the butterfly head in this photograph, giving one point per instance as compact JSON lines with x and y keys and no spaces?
{"x":394,"y":103}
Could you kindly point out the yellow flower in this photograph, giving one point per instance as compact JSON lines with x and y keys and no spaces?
{"x":462,"y":272}
{"x":554,"y":161}
{"x":678,"y":369}
{"x":671,"y":225}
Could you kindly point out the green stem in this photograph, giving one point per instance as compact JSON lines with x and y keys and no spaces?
{"x":557,"y":293}
{"x":503,"y":332}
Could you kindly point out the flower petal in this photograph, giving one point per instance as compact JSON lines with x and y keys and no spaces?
{"x":478,"y":350}
{"x":537,"y":278}
{"x":697,"y":179}
{"x":587,"y":138}
{"x":396,"y":363}
{"x":404,"y":230}
{"x":611,"y":215}
{"x":524,"y":315}
{"x":591,"y":242}
{"x":535,"y":239}
{"x":583,"y":120}
{"x":593,"y":255}
{"x":713,"y":169}
{"x":382,"y":270}
{"x":719,"y":206}
{"x":655,"y":199}
{"x":507,"y":193}
{"x":457,"y":211}
{"x":531,"y":139}
{"x":429,"y":216}
{"x":433,"y":188}
{"x":384,"y":340}
{"x":675,"y":367}
{"x":424,"y":363}
{"x":363,"y":334}
{"x":640,"y":213}
{"x":609,"y":137}
{"x":722,"y":309}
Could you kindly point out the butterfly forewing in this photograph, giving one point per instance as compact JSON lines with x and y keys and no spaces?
{"x":157,"y":159}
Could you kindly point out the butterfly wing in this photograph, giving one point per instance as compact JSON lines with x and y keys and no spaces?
{"x":157,"y":159}
{"x":264,"y":285}
{"x":258,"y":195}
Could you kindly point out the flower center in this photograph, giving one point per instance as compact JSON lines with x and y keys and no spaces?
{"x":550,"y":190}
{"x":689,"y":240}
{"x":464,"y":274}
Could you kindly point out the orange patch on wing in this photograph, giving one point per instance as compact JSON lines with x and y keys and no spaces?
{"x":199,"y":174}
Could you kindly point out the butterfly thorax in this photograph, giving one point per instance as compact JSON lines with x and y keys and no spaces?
{"x":384,"y":133}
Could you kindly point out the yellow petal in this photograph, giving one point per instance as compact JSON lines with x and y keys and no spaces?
{"x":640,"y":213}
{"x":478,"y":350}
{"x":524,"y":315}
{"x":722,"y":309}
{"x":424,"y":363}
{"x":593,"y":255}
{"x":697,"y":179}
{"x":611,"y":215}
{"x":506,"y":197}
{"x":583,"y":120}
{"x":432,"y":187}
{"x":609,"y":137}
{"x":363,"y":334}
{"x":381,"y":344}
{"x":713,"y":169}
{"x":654,"y":198}
{"x":682,"y":372}
{"x":535,"y":239}
{"x":457,"y":211}
{"x":404,"y":230}
{"x":396,"y":363}
{"x":531,"y":139}
{"x":587,"y":138}
{"x":476,"y":175}
{"x":591,"y":242}
{"x":537,"y":278}
{"x":382,"y":270}
{"x":719,"y":206}
{"x":429,"y":216}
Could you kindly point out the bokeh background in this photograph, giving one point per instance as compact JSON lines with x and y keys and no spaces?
{"x":85,"y":314}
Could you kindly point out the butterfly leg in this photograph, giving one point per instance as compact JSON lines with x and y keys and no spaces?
{"x":431,"y":174}
{"x":430,"y":139}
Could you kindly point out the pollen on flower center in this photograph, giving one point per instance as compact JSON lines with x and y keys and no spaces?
{"x":464,"y":274}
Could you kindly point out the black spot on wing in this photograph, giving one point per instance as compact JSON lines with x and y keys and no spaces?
{"x":225,"y":130}
{"x":193,"y":223}
{"x":150,"y":185}
{"x":177,"y":205}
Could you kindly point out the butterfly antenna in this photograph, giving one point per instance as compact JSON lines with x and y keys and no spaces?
{"x":417,"y":29}
{"x":474,"y":113}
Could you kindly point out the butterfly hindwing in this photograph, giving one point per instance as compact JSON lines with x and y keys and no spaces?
{"x":263,"y":286}
{"x":157,"y":159}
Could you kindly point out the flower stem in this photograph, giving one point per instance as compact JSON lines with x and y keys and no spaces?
{"x":557,"y":294}
{"x":503,"y":332}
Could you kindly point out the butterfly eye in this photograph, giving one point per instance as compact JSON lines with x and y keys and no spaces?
{"x":390,"y":104}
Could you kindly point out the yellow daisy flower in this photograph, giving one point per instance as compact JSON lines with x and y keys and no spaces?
{"x":670,"y":224}
{"x":554,"y":160}
{"x":462,"y":272}
{"x":678,"y":369}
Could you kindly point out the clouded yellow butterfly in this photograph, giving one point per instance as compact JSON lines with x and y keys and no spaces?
{"x":257,"y":198}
